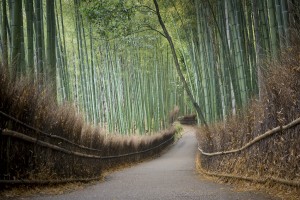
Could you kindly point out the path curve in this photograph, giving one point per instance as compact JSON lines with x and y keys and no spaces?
{"x":172,"y":176}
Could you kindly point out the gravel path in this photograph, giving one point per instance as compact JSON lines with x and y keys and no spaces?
{"x":169,"y":177}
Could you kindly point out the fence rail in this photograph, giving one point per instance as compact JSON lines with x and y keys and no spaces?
{"x":140,"y":152}
{"x":6,"y":133}
{"x":252,"y":142}
{"x":255,"y":140}
{"x":46,"y":134}
{"x":257,"y":180}
{"x":26,"y":138}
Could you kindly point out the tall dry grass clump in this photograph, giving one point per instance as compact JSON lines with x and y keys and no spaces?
{"x":173,"y":115}
{"x":49,"y":134}
{"x":276,"y":156}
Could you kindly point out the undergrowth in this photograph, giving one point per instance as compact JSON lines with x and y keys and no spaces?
{"x":276,"y":156}
{"x":34,"y":106}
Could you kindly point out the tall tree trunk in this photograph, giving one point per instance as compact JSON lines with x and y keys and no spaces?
{"x":17,"y":39}
{"x":64,"y":66}
{"x":274,"y":44}
{"x":51,"y":51}
{"x":29,"y":20}
{"x":285,"y":21}
{"x":187,"y":89}
{"x":39,"y":41}
{"x":258,"y":46}
{"x":4,"y":36}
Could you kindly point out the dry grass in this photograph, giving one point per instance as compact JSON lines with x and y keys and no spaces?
{"x":173,"y":115}
{"x":276,"y":156}
{"x":275,"y":190}
{"x":34,"y":106}
{"x":24,"y":191}
{"x":56,"y":189}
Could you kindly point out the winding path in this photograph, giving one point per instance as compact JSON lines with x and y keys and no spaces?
{"x":169,"y":177}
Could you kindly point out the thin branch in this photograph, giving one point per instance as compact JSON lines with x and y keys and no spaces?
{"x":147,"y":28}
{"x":177,"y":65}
{"x":144,"y":6}
{"x":154,"y":29}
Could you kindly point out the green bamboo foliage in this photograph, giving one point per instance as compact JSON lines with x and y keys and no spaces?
{"x":223,"y":47}
{"x":129,"y":84}
{"x":62,"y":56}
{"x":133,"y":91}
{"x":117,"y":87}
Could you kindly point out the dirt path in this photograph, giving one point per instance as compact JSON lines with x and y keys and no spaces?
{"x":169,"y":177}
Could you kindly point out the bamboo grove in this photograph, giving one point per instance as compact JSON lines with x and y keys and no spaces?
{"x":129,"y":83}
{"x":223,"y":43}
{"x":128,"y":88}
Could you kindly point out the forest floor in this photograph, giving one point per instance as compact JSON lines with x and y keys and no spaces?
{"x":170,"y":176}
